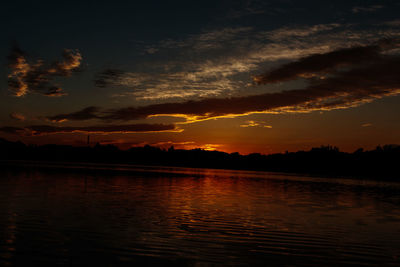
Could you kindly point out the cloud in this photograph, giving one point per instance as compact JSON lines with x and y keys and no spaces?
{"x":84,"y":114}
{"x":321,"y":64}
{"x":392,"y":23}
{"x":17,"y":116}
{"x":206,"y":40}
{"x":210,"y":147}
{"x":185,"y":84}
{"x":350,"y":81}
{"x":249,"y":8}
{"x":11,"y":130}
{"x":305,"y":31}
{"x":103,"y":129}
{"x":54,"y":91}
{"x":218,"y":63}
{"x":172,"y":143}
{"x":217,"y":59}
{"x":25,"y":77}
{"x":183,"y":145}
{"x":372,"y":8}
{"x":209,"y":78}
{"x":255,"y":124}
{"x":366,"y":125}
{"x":151,"y":50}
{"x":188,"y":145}
{"x":107,"y":77}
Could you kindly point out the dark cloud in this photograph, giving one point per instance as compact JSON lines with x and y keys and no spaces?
{"x":47,"y":129}
{"x":12,"y":130}
{"x":361,"y":81}
{"x":54,"y":91}
{"x":84,"y":114}
{"x":322,"y":64}
{"x":25,"y":77}
{"x":107,"y":77}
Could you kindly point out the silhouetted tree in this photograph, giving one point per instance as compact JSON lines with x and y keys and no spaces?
{"x":381,"y":162}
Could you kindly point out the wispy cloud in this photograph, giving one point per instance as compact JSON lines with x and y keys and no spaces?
{"x":191,"y":79}
{"x":393,"y":23}
{"x":220,"y":62}
{"x":249,"y":8}
{"x":17,"y":116}
{"x":174,"y":85}
{"x":255,"y":124}
{"x":213,"y":39}
{"x":210,"y":147}
{"x":26,"y":77}
{"x":299,"y":31}
{"x":102,"y":129}
{"x":372,"y":8}
{"x":360,"y":82}
{"x":366,"y":125}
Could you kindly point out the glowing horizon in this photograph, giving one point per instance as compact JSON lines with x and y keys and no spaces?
{"x":249,"y":83}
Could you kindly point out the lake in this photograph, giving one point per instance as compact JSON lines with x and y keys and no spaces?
{"x":125,"y":215}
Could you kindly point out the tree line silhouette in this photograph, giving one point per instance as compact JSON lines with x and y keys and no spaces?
{"x":379,"y":163}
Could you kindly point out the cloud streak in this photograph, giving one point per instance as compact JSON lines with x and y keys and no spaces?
{"x":102,"y":129}
{"x":217,"y":63}
{"x":350,"y":80}
{"x":25,"y":77}
{"x":322,"y":64}
{"x":84,"y":114}
{"x":201,"y":82}
{"x":361,"y":9}
{"x":255,"y":124}
{"x":17,"y":116}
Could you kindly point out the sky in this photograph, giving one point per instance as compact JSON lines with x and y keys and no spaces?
{"x":236,"y":76}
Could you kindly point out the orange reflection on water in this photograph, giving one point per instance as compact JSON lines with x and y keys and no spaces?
{"x":200,"y":214}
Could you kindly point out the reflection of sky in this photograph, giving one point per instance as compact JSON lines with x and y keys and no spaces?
{"x":204,"y":215}
{"x":178,"y":51}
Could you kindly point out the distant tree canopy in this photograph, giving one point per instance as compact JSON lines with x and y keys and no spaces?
{"x":380,"y":163}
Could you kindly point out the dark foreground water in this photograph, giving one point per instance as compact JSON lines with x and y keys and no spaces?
{"x":195,"y":217}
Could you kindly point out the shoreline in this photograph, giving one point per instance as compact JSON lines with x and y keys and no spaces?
{"x":180,"y":171}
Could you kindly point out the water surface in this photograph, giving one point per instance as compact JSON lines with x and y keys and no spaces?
{"x":196,"y":217}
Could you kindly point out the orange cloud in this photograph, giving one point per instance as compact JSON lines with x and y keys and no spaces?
{"x":366,"y":125}
{"x":35,"y":77}
{"x":188,"y":145}
{"x":255,"y":124}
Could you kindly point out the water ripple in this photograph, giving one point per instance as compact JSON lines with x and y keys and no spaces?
{"x":195,"y":218}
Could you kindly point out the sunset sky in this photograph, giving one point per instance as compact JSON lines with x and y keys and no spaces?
{"x":246,"y":76}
